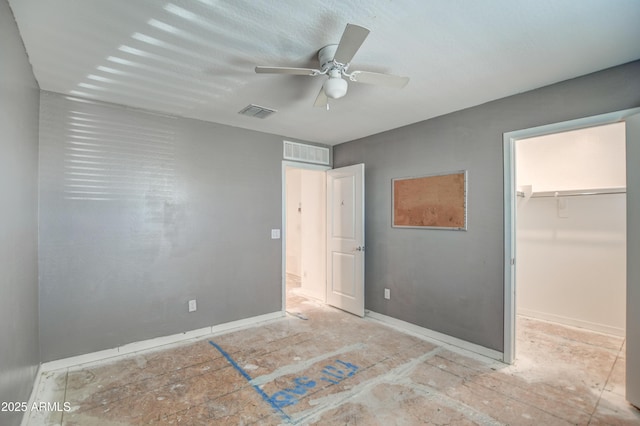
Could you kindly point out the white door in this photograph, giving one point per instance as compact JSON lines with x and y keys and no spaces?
{"x":345,"y":238}
{"x":633,"y":255}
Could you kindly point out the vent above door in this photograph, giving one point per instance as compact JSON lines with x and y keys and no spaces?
{"x":307,"y":153}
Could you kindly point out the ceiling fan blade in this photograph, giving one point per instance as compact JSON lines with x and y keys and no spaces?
{"x":287,"y":70}
{"x":352,"y":38}
{"x":388,"y":80}
{"x":321,"y":100}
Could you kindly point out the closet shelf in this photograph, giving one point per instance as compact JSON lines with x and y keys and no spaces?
{"x":575,"y":192}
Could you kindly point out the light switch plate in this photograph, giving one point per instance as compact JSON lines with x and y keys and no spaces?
{"x":275,"y":234}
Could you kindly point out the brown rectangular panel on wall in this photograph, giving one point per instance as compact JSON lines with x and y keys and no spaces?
{"x":435,"y":201}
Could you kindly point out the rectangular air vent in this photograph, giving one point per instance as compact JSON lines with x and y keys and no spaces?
{"x":307,"y":153}
{"x":256,"y":111}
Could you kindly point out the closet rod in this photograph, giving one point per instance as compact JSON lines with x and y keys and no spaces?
{"x":575,"y":192}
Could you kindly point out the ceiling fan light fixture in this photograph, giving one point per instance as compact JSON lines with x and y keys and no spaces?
{"x":335,"y":87}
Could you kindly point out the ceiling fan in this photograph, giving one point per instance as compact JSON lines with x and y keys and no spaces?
{"x":334,"y":62}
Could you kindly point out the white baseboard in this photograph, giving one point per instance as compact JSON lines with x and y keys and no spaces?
{"x":158,"y":342}
{"x":434,"y":336}
{"x":574,"y":322}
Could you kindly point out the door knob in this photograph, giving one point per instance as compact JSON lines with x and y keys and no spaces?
{"x":360,"y":248}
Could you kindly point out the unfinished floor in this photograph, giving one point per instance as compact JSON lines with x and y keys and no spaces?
{"x":322,"y":366}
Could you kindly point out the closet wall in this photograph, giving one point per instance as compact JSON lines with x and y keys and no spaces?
{"x":571,"y":250}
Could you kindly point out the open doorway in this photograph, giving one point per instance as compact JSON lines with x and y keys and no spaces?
{"x":305,"y":234}
{"x":571,"y":257}
{"x":513,"y":196}
{"x":628,"y":352}
{"x":323,"y":249}
{"x":571,"y":228}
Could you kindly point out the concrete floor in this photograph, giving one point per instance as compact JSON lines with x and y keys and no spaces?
{"x":323,"y":366}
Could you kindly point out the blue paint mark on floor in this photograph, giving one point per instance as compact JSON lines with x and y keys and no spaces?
{"x":248,"y":378}
{"x":330,"y":373}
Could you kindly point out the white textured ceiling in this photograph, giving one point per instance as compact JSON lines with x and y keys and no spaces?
{"x":196,"y":58}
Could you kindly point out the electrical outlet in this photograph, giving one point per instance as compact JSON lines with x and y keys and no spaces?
{"x":387,"y":293}
{"x":192,"y":305}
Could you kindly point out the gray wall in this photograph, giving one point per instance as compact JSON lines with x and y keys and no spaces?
{"x":452,"y":281}
{"x":19,"y":352}
{"x":142,"y":212}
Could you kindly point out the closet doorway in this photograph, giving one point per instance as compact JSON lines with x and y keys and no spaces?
{"x":571,"y":260}
{"x":627,"y":348}
{"x":571,"y":228}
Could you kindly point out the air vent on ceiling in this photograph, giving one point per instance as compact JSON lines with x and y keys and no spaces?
{"x":307,"y":153}
{"x":256,"y":111}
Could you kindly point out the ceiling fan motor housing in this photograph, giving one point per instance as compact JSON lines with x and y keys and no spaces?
{"x":326,"y":55}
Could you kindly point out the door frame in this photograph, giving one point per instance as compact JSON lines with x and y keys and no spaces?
{"x":283,"y":233}
{"x":510,"y":203}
